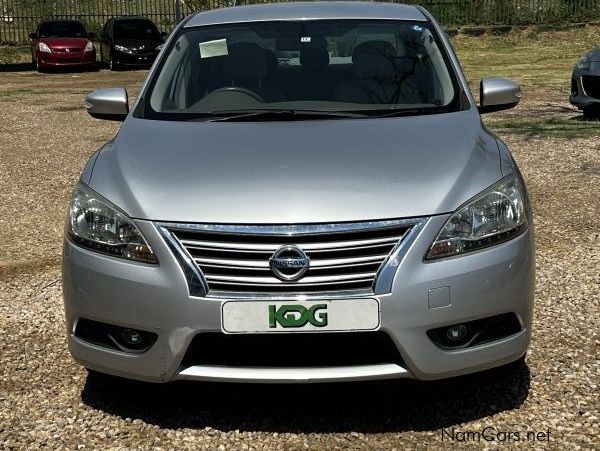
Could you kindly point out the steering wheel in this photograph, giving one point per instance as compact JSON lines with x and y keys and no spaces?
{"x":237,"y":89}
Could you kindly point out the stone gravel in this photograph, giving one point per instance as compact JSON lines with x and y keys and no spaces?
{"x":47,"y":400}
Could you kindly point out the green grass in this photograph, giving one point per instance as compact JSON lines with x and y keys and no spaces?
{"x":533,"y":58}
{"x":550,"y":127}
{"x":15,"y":94}
{"x":542,"y":63}
{"x":14,"y":54}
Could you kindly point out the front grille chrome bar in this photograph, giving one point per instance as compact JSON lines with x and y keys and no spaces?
{"x":195,"y":244}
{"x":230,"y":261}
{"x":264,"y":264}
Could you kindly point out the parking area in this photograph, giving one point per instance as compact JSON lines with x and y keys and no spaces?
{"x":47,"y":400}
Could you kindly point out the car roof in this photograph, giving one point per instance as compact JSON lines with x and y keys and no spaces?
{"x":307,"y":11}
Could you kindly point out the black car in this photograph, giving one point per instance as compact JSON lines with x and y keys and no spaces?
{"x":129,"y":42}
{"x":585,"y":84}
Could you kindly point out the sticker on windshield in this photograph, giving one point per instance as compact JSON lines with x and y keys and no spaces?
{"x":417,"y":28}
{"x":210,"y":49}
{"x":305,"y":39}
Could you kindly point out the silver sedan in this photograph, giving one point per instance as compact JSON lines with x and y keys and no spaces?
{"x":301,"y":192}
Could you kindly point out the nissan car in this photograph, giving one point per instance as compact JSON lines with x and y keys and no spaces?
{"x":301,"y":192}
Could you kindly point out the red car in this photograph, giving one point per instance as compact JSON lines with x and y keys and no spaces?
{"x":62,"y":43}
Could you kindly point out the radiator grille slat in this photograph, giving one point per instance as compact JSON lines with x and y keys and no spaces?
{"x":340,"y":261}
{"x":264,"y":264}
{"x":257,"y":247}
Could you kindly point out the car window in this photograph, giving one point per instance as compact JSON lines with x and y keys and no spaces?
{"x":62,"y":30}
{"x":324,"y":65}
{"x":135,"y":29}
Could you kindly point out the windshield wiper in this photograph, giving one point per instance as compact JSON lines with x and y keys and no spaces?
{"x":396,"y":112}
{"x":277,"y":114}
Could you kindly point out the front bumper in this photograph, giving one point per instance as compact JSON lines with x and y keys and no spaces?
{"x":579,"y":97}
{"x":133,"y":59}
{"x":63,"y":59}
{"x":489,"y":282}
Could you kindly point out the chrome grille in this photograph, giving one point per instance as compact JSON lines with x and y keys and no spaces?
{"x":235,"y":259}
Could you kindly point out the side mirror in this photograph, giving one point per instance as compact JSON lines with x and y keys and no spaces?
{"x":110,"y":103}
{"x":164,"y":34}
{"x":33,"y":35}
{"x":496,"y":94}
{"x":92,"y":35}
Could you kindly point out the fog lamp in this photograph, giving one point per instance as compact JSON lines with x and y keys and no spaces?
{"x":457,"y":332}
{"x":132,"y":337}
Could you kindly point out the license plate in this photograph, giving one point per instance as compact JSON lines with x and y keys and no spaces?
{"x":300,"y":316}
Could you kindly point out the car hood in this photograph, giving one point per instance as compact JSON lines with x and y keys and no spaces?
{"x":61,"y":43}
{"x":298,"y":171}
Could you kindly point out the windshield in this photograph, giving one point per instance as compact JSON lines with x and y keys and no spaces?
{"x":62,"y":30}
{"x":367,"y":66}
{"x":135,"y":29}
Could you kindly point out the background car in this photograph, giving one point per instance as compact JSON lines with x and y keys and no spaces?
{"x":129,"y":42}
{"x":585,"y":84}
{"x":60,"y":43}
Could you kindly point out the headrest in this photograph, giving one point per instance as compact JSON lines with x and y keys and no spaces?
{"x":315,"y":41}
{"x":245,"y":60}
{"x":314,"y":57}
{"x":377,"y":59}
{"x":375,"y":66}
{"x":314,"y":54}
{"x":383,"y":48}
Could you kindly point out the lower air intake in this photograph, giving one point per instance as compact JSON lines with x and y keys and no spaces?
{"x":292,"y":350}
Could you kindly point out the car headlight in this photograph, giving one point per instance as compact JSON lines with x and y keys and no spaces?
{"x":583,"y":63}
{"x":89,"y":47}
{"x":42,"y":47}
{"x":496,"y":215}
{"x":98,"y":225}
{"x":120,"y":48}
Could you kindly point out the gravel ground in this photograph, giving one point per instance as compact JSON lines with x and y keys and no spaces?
{"x":46,"y":400}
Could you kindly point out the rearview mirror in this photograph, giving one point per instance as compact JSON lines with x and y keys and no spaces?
{"x":33,"y":35}
{"x":110,"y":103}
{"x":496,"y":94}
